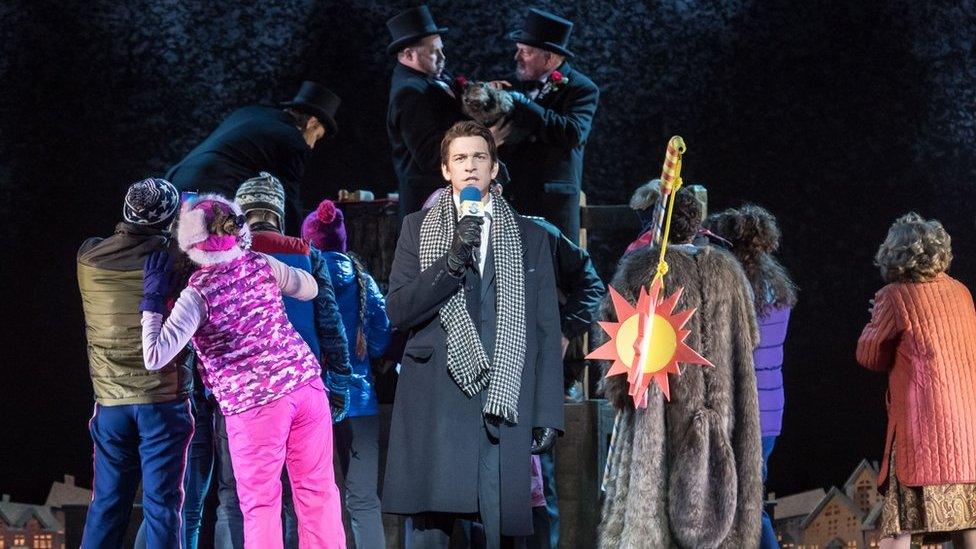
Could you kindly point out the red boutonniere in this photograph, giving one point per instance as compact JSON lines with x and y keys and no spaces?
{"x":460,"y":81}
{"x":556,"y":80}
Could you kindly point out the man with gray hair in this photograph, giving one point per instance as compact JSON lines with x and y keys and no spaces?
{"x":554,"y":108}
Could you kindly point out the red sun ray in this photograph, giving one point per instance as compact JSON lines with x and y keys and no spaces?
{"x":649,"y":305}
{"x":672,"y":300}
{"x":622,"y":307}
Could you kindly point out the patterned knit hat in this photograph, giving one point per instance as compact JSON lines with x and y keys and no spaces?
{"x":263,"y":192}
{"x":325,"y":228}
{"x":151,"y":202}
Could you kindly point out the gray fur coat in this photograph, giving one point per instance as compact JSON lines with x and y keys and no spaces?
{"x":687,"y":473}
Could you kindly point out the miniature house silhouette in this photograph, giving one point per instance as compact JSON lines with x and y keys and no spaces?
{"x":840,"y":518}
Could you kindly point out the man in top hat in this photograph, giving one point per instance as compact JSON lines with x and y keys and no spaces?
{"x":554,"y":107}
{"x":260,"y":138}
{"x":422,"y":105}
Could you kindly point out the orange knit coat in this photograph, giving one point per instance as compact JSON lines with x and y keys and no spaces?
{"x":924,"y":335}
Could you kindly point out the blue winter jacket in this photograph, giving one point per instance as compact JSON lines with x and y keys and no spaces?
{"x":376,"y":327}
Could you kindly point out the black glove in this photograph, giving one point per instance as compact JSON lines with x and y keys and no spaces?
{"x":467,"y":236}
{"x":542,"y":439}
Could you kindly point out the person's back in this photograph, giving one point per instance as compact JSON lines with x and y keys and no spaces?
{"x":768,"y":359}
{"x":263,"y":375}
{"x":259,"y":138}
{"x":251,"y":139}
{"x":110,"y":281}
{"x":291,"y":251}
{"x":367,"y":334}
{"x":367,"y":327}
{"x":142,"y":421}
{"x":699,"y":481}
{"x":928,"y":361}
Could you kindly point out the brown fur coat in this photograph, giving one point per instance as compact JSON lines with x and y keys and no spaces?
{"x":687,"y":473}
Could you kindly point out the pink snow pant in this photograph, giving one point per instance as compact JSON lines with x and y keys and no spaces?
{"x":295,"y":431}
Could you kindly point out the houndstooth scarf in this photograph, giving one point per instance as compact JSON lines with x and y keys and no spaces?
{"x":467,"y":361}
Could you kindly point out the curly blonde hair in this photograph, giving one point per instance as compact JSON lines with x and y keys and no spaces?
{"x":915,"y":250}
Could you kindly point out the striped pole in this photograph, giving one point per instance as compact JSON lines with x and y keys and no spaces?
{"x":670,"y":176}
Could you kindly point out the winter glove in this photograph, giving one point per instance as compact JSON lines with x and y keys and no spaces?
{"x":338,"y":385}
{"x":467,"y":236}
{"x":157,"y":280}
{"x":542,"y":439}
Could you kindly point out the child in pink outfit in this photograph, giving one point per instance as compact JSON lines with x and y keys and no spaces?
{"x":265,"y":378}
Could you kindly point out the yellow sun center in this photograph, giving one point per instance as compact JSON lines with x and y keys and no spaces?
{"x":664,"y":341}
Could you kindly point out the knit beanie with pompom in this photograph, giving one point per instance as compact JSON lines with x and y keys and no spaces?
{"x":325,"y":228}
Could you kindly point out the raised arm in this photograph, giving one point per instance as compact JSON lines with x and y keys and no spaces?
{"x":416,"y":296}
{"x":569,"y":128}
{"x":291,"y":281}
{"x":162,"y":341}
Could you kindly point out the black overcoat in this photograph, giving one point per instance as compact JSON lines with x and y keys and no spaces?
{"x":433,"y":451}
{"x":418,"y":114}
{"x":546,"y":166}
{"x":249,"y":141}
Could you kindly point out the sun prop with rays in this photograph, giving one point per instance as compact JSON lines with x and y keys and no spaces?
{"x":648,"y":341}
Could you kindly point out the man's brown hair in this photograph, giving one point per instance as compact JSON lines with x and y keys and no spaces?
{"x":468,"y":128}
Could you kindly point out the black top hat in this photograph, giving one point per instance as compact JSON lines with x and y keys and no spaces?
{"x":545,"y":30}
{"x":411,"y":25}
{"x":317,"y":100}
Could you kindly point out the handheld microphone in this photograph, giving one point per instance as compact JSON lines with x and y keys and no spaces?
{"x":471,"y":202}
{"x":471,"y":206}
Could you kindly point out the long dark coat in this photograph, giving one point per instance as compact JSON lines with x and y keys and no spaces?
{"x":418,"y":114}
{"x":546,"y":167}
{"x":250,"y":140}
{"x":434,"y":439}
{"x":687,"y":473}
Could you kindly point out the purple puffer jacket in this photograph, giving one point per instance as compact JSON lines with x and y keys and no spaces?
{"x":768,"y":359}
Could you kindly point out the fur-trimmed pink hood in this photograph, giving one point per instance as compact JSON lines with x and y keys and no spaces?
{"x":194,"y":238}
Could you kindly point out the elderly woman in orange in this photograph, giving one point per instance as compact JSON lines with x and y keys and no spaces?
{"x":923,"y":334}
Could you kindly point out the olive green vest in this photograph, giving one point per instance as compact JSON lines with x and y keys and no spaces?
{"x":112,"y":321}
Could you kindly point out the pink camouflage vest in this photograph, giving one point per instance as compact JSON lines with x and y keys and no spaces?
{"x":249,"y":353}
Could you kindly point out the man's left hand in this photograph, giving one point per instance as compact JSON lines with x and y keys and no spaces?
{"x":542,"y":439}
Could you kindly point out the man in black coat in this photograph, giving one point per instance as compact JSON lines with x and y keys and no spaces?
{"x":422,"y":106}
{"x":554,"y":108}
{"x":580,"y":292}
{"x":480,"y":385}
{"x":262,"y":139}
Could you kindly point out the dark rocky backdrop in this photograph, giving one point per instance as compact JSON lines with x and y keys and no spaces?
{"x":837,"y":116}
